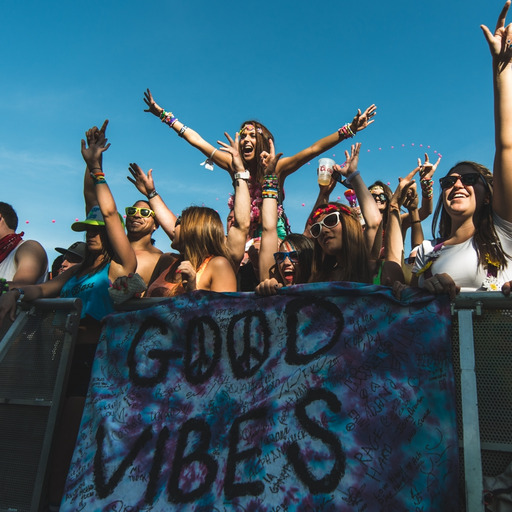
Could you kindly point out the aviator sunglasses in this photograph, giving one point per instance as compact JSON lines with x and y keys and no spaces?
{"x":282,"y":255}
{"x":143,"y":212}
{"x":466,"y":179}
{"x":329,"y":221}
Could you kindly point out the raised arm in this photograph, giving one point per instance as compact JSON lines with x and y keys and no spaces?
{"x":269,"y":238}
{"x":89,"y":192}
{"x":237,"y":234}
{"x":290,"y":164}
{"x":124,"y":261}
{"x":145,"y":185}
{"x":500,"y":45}
{"x":192,"y":137}
{"x":394,"y":243}
{"x":427,"y":170}
{"x":411,"y":204}
{"x":369,"y":209}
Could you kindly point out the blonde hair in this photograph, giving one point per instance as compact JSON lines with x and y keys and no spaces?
{"x":202,"y":233}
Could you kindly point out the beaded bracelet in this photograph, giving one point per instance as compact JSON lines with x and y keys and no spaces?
{"x":346,"y":131}
{"x":427,"y":188}
{"x":98,"y":178}
{"x":4,"y":287}
{"x":168,"y":118}
{"x":270,"y":186}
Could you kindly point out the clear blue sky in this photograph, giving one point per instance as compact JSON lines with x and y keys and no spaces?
{"x":301,"y":68}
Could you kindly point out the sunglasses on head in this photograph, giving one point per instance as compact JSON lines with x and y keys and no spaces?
{"x":466,"y":179}
{"x":178,"y":222}
{"x":329,"y":221}
{"x":143,"y":212}
{"x":381,"y":197}
{"x":281,"y":256}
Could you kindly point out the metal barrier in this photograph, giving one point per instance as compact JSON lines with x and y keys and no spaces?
{"x":482,"y":350}
{"x":34,"y":359}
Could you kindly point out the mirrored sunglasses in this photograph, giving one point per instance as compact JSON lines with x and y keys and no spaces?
{"x":329,"y":221}
{"x":143,"y":212}
{"x":383,"y":198}
{"x":280,"y":256}
{"x":466,"y":179}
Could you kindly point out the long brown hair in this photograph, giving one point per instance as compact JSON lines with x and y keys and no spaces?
{"x":202,"y":235}
{"x":90,"y":257}
{"x":485,"y":240}
{"x":263,"y":136}
{"x":354,"y":255}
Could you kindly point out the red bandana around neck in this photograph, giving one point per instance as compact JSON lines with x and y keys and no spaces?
{"x":8,"y":243}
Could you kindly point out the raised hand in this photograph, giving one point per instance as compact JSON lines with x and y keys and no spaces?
{"x":270,"y":159}
{"x":144,"y":183}
{"x":362,"y":121}
{"x":97,"y":145}
{"x":404,"y":186}
{"x":411,"y":199}
{"x":232,"y":148}
{"x":153,"y":106}
{"x":500,"y":43}
{"x":427,"y":169}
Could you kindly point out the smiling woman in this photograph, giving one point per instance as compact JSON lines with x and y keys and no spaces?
{"x":474,"y":213}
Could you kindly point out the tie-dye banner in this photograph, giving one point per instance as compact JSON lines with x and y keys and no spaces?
{"x":327,"y":397}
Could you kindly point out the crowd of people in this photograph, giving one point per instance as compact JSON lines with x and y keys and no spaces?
{"x":362,"y":241}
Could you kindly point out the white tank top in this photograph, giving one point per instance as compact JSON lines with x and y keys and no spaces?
{"x":8,"y":267}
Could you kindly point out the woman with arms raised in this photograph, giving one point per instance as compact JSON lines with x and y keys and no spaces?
{"x":474,"y":211}
{"x":254,"y":139}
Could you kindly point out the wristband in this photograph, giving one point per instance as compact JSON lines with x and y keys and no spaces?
{"x":348,"y":180}
{"x":152,"y":194}
{"x":21,"y":293}
{"x":182,"y":131}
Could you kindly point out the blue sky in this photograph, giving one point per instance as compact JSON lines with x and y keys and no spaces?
{"x":301,"y":68}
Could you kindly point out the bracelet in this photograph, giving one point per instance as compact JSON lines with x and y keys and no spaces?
{"x":94,"y":168}
{"x":346,"y":131}
{"x":348,"y":180}
{"x":270,"y":188}
{"x":415,"y":221}
{"x":21,"y":293}
{"x":183,"y":130}
{"x":152,"y":194}
{"x":427,"y":188}
{"x":168,"y":118}
{"x":98,"y":178}
{"x":4,"y":287}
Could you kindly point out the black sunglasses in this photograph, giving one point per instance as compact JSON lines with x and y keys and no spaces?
{"x":466,"y":179}
{"x":178,"y":222}
{"x":383,"y":198}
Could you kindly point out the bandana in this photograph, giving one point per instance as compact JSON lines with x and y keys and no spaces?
{"x":8,"y":243}
{"x":328,"y":209}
